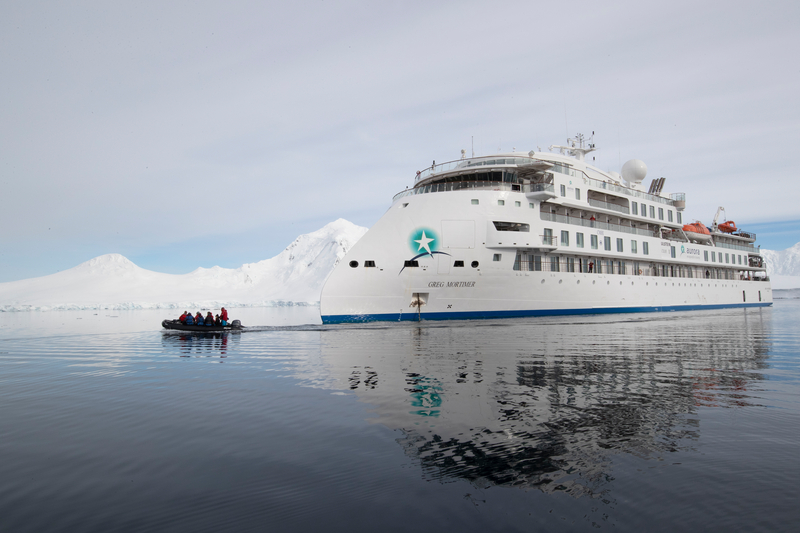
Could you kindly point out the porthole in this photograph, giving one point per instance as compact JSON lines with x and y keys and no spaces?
{"x":579,"y":282}
{"x":620,"y":283}
{"x":474,"y":264}
{"x":542,"y":281}
{"x":353,"y":264}
{"x":593,"y":282}
{"x":560,"y":281}
{"x":608,"y":283}
{"x":631,"y":283}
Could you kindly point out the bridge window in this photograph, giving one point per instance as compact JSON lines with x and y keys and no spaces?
{"x":409,"y":264}
{"x":458,"y":264}
{"x":369,"y":264}
{"x":511,"y":226}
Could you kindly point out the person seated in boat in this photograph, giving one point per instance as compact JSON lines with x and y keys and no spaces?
{"x":209,"y":319}
{"x":198,"y":319}
{"x":182,"y":319}
{"x":188,"y":319}
{"x":217,"y":321}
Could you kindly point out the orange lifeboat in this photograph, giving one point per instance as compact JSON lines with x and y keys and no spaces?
{"x":697,"y":227}
{"x":697,"y":232}
{"x":728,"y":227}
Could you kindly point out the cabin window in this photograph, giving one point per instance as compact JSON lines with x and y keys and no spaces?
{"x":579,"y":240}
{"x":660,"y":213}
{"x":726,"y":259}
{"x":548,"y":236}
{"x":679,"y":218}
{"x":369,"y":264}
{"x":563,"y":190}
{"x":633,"y":246}
{"x":511,"y":226}
{"x":637,"y":270}
{"x":622,"y":267}
{"x":517,"y":204}
{"x":669,"y":216}
{"x":531,"y":205}
{"x":646,"y":248}
{"x":554,"y":266}
{"x":458,"y":264}
{"x":577,"y":194}
{"x":593,"y":238}
{"x":635,"y":208}
{"x":644,"y":210}
{"x":474,"y":201}
{"x":740,"y":259}
{"x":474,"y":264}
{"x":497,"y":257}
{"x":409,"y":264}
{"x":652,"y":212}
{"x":713,"y":260}
{"x":353,"y":264}
{"x":607,"y":243}
{"x":570,"y":264}
{"x":705,"y":255}
{"x":564,"y":238}
{"x":501,"y":202}
{"x":619,"y":245}
{"x":672,"y":251}
{"x":537,"y":263}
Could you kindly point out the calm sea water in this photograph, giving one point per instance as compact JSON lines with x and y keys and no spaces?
{"x":645,"y":422}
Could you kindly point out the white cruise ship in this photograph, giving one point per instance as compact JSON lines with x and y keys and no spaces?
{"x":542,"y":233}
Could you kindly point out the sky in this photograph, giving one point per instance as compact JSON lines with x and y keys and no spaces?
{"x":188,"y":134}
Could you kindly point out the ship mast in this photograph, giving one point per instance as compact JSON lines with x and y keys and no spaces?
{"x":577,"y":147}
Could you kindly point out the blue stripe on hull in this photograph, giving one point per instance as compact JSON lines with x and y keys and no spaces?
{"x":467,"y":315}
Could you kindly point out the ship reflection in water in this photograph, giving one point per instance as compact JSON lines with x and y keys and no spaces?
{"x":550,"y":403}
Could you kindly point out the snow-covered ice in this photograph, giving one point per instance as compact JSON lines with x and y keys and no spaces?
{"x":293,"y":277}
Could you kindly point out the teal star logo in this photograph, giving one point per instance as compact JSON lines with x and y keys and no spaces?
{"x":423,"y":241}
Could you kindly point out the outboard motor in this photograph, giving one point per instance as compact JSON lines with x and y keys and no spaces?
{"x":236,"y":324}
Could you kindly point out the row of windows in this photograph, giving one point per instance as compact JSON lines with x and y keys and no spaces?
{"x":556,"y":263}
{"x":594,"y":242}
{"x":636,"y":209}
{"x":503,"y":202}
{"x":716,"y":257}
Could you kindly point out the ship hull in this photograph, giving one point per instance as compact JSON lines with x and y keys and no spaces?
{"x":414,"y":276}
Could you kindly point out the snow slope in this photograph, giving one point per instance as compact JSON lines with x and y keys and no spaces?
{"x":295,"y":276}
{"x":784,"y":267}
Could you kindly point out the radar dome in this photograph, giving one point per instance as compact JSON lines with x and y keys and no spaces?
{"x":634,"y":171}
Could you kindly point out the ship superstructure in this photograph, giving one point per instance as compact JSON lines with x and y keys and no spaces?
{"x":540,"y":233}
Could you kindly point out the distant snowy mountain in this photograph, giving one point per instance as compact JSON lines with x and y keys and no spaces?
{"x":784,"y":263}
{"x":295,"y":276}
{"x":784,"y":267}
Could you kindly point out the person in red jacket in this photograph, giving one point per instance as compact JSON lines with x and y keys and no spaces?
{"x":198,"y":319}
{"x":223,"y":314}
{"x":182,"y":319}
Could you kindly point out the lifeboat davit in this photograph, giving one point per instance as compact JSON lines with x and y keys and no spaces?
{"x":697,"y":232}
{"x":727,"y":227}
